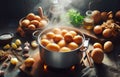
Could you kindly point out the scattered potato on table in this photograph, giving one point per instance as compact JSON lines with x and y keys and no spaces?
{"x":108,"y":46}
{"x":29,"y":62}
{"x":34,"y":44}
{"x":14,"y":61}
{"x":7,"y":46}
{"x":97,"y":55}
{"x":18,"y":42}
{"x":97,"y":45}
{"x":14,"y":46}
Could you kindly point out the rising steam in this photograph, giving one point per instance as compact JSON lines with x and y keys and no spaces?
{"x":57,"y":14}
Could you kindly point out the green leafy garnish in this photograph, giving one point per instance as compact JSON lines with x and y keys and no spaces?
{"x":75,"y":17}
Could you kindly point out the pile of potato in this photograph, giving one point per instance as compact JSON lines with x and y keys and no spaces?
{"x":30,"y":23}
{"x":61,"y":40}
{"x":98,"y":51}
{"x":110,"y":23}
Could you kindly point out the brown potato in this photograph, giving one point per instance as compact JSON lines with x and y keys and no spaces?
{"x":68,"y":37}
{"x":63,"y":32}
{"x":73,"y":45}
{"x":107,"y":33}
{"x":97,"y":29}
{"x":30,"y":16}
{"x":35,"y":22}
{"x":65,"y":49}
{"x":45,"y":42}
{"x":53,"y":47}
{"x":31,"y":27}
{"x":57,"y":38}
{"x":62,"y":43}
{"x":108,"y":46}
{"x":56,"y":30}
{"x":73,"y":33}
{"x":40,"y":25}
{"x":25,"y":23}
{"x":97,"y":55}
{"x":29,"y":62}
{"x":38,"y":18}
{"x":50,"y":35}
{"x":78,"y":39}
{"x":44,"y":22}
{"x":97,"y":45}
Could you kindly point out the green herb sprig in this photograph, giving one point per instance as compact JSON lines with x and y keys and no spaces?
{"x":75,"y":17}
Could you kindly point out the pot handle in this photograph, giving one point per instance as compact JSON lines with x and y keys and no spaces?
{"x":36,"y":33}
{"x":85,"y":47}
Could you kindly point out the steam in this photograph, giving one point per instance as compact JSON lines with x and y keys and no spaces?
{"x":56,"y":9}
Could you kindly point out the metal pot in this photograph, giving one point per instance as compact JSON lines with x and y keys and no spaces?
{"x":60,"y":59}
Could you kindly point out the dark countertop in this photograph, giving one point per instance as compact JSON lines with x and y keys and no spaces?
{"x":109,"y":68}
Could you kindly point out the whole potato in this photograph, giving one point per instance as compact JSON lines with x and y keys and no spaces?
{"x":29,"y":62}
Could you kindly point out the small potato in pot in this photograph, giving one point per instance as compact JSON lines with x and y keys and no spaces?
{"x":57,"y":38}
{"x":78,"y":39}
{"x":68,"y":37}
{"x":53,"y":47}
{"x":50,"y":35}
{"x":72,"y":45}
{"x":65,"y":49}
{"x":62,"y":43}
{"x":45,"y":42}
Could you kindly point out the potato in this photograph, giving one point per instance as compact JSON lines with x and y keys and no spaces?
{"x":108,"y":46}
{"x":25,"y":23}
{"x":97,"y":45}
{"x":63,"y":32}
{"x":73,"y":33}
{"x":97,"y":29}
{"x":72,"y":45}
{"x":45,"y":42}
{"x":107,"y":33}
{"x":78,"y":39}
{"x":35,"y":22}
{"x":38,"y":18}
{"x":31,"y":27}
{"x":97,"y":55}
{"x":40,"y":25}
{"x":18,"y":42}
{"x":50,"y":35}
{"x":68,"y":37}
{"x":30,"y":16}
{"x":29,"y":62}
{"x":14,"y":61}
{"x":56,"y":30}
{"x":62,"y":43}
{"x":57,"y":38}
{"x":14,"y":46}
{"x":65,"y":49}
{"x":53,"y":47}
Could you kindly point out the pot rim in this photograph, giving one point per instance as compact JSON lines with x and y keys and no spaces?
{"x":39,"y":38}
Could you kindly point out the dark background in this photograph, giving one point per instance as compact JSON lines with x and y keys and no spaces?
{"x":19,"y":8}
